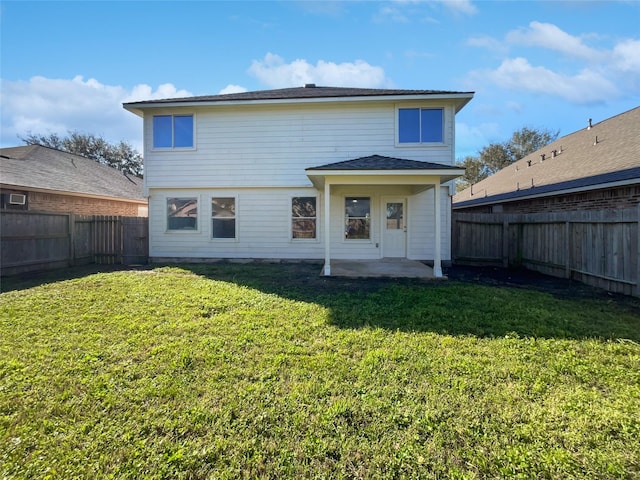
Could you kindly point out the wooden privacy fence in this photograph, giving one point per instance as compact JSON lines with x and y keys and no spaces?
{"x":42,"y":241}
{"x":599,"y":248}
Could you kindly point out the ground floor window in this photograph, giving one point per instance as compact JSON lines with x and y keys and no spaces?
{"x":357,"y":218}
{"x":182,"y":213}
{"x":223,"y":213}
{"x":303,"y":217}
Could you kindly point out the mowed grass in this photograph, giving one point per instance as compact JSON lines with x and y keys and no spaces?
{"x":244,"y":371}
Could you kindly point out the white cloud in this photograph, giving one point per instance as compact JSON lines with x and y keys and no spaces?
{"x":465,"y":7}
{"x":490,"y":43}
{"x":390,"y":13}
{"x":457,"y":7}
{"x":232,"y":89}
{"x":276,"y":73}
{"x":549,"y":36}
{"x":469,"y":137}
{"x":626,"y":56}
{"x":605,"y":74}
{"x":588,"y":86}
{"x":47,"y":105}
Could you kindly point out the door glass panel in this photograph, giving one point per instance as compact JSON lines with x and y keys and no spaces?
{"x":395,"y":216}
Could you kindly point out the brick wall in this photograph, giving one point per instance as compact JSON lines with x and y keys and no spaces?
{"x":45,"y":202}
{"x":620,"y":197}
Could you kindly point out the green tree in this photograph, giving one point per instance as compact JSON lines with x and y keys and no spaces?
{"x":121,"y":156}
{"x":496,"y":156}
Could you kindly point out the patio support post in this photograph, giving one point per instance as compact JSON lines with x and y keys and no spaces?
{"x":327,"y":228}
{"x":437,"y":254}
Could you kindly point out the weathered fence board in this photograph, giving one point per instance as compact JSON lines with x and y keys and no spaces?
{"x":42,"y":241}
{"x":599,"y":247}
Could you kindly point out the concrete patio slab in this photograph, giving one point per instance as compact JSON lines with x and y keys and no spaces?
{"x":386,"y":267}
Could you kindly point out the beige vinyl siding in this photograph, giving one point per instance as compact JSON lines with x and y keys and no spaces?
{"x":421,"y":225}
{"x":251,"y":146}
{"x":263,"y":226}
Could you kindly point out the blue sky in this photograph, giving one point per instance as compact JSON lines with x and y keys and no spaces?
{"x":544,"y":64}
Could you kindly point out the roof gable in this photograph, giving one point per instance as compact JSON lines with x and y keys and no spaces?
{"x":606,"y":152}
{"x":38,"y":167}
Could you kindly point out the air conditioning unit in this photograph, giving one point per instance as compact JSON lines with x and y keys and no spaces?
{"x":17,"y":199}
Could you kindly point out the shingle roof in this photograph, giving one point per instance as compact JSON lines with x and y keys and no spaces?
{"x":379,"y":162}
{"x":35,"y":166}
{"x":579,"y":162}
{"x":299,"y":93}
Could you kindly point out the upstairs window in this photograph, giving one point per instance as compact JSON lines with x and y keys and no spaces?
{"x":420,"y":125}
{"x":173,"y":131}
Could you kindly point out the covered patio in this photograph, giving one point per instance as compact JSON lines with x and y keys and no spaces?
{"x":373,"y":174}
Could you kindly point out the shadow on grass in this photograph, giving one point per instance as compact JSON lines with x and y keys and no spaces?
{"x":476,"y":302}
{"x":464,"y":305}
{"x":34,"y":279}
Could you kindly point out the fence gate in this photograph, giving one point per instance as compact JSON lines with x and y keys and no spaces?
{"x":135,"y":240}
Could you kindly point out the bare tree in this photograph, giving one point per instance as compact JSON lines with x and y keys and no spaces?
{"x":496,"y":156}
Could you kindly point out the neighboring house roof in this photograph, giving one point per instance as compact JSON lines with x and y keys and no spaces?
{"x":379,"y":162}
{"x":41,"y":168}
{"x":310,"y":92}
{"x":605,"y":155}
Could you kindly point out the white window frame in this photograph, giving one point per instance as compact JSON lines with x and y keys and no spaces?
{"x":173,"y":147}
{"x":421,"y":144}
{"x":371,"y":221}
{"x":183,"y":231}
{"x":317,"y":219}
{"x":236,"y":216}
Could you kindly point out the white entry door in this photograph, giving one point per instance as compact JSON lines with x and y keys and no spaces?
{"x":394,"y":228}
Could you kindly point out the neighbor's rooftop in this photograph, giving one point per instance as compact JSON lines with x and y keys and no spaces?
{"x":603,"y":154}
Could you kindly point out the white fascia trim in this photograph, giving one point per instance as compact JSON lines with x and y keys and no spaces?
{"x":403,"y":172}
{"x":567,"y":191}
{"x":137,"y":109}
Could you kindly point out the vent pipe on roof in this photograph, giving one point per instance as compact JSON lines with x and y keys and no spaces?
{"x":309,"y":85}
{"x":554,"y":153}
{"x":528,"y":163}
{"x":542,"y":157}
{"x":596,"y":141}
{"x":589,"y":127}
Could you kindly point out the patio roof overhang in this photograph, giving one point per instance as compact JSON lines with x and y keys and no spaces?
{"x":379,"y":170}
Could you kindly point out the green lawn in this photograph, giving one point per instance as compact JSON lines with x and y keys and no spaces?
{"x":251,"y":371}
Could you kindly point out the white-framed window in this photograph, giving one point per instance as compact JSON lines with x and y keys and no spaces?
{"x":357,"y":218}
{"x":173,"y":131}
{"x":420,"y":125}
{"x":223,"y":218}
{"x":182,"y":213}
{"x":304,"y":218}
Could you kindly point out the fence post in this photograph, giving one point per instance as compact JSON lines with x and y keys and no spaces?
{"x":72,"y":239}
{"x":505,"y":242}
{"x":637,"y":293}
{"x":567,"y":248}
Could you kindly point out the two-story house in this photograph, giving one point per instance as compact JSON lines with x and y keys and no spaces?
{"x":301,"y":173}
